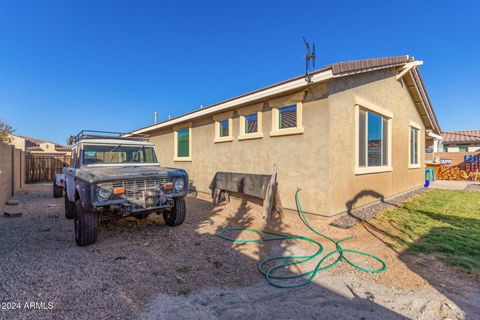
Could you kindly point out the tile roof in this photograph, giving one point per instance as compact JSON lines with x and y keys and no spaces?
{"x":34,"y":144}
{"x":464,"y":136}
{"x":337,"y":69}
{"x":362,"y":65}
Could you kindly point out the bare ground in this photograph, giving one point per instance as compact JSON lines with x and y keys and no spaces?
{"x":142,"y":268}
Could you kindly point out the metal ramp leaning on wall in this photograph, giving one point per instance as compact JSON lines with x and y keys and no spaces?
{"x":254,"y":185}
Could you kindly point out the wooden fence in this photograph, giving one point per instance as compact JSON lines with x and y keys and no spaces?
{"x":44,"y":168}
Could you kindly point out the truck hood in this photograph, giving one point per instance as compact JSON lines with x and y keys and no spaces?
{"x":99,"y":174}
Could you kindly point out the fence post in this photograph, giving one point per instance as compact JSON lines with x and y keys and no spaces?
{"x":21,"y":169}
{"x":13,"y":169}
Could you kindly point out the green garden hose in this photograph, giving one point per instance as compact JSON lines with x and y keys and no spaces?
{"x":309,"y":276}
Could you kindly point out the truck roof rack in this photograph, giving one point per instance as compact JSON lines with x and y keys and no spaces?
{"x":95,"y":134}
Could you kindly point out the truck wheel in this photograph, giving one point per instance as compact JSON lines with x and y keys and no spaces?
{"x":69,"y":208}
{"x":57,"y":190}
{"x":176,"y":215}
{"x":86,"y":225}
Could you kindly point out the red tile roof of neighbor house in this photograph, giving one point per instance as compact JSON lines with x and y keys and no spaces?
{"x":463,"y":136}
{"x":337,"y":69}
{"x":33,"y":144}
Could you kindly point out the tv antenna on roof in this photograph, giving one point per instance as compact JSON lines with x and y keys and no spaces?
{"x":309,"y":55}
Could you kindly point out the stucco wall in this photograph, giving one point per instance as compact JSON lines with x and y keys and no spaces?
{"x":5,"y":173}
{"x":321,"y":160}
{"x":382,"y":89}
{"x":302,"y":160}
{"x":7,"y":152}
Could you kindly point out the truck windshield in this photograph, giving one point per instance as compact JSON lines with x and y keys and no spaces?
{"x":109,"y":154}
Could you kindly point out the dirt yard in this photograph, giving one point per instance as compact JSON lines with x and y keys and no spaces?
{"x":144,"y":269}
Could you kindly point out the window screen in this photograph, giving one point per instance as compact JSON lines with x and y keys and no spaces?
{"x":183,"y":142}
{"x":372,"y":139}
{"x":287,"y":117}
{"x":362,"y":134}
{"x":251,"y":123}
{"x":413,"y":146}
{"x":224,"y":128}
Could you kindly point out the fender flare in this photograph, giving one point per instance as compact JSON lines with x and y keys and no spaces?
{"x":84,"y":195}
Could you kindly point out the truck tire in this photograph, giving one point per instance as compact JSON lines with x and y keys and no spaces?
{"x":86,"y":225}
{"x":57,"y":190}
{"x":69,"y":208}
{"x":176,"y":215}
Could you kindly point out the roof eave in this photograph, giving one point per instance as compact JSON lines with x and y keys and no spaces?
{"x":420,"y":86}
{"x":294,"y":84}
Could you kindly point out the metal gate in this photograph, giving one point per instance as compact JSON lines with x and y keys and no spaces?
{"x":44,"y":168}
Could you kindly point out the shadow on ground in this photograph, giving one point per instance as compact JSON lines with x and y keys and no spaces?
{"x":456,"y":284}
{"x":136,"y":261}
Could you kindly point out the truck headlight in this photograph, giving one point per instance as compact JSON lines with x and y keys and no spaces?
{"x":104,"y":192}
{"x":179,"y":184}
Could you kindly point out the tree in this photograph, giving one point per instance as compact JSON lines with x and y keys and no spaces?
{"x":5,"y":131}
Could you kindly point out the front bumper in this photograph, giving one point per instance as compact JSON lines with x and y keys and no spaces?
{"x":127,"y":207}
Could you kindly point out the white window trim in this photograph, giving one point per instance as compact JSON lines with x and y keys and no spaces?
{"x":361,"y":103}
{"x":220,"y":117}
{"x":248,"y":111}
{"x":276,"y":131}
{"x":175,"y":142}
{"x":412,"y":124}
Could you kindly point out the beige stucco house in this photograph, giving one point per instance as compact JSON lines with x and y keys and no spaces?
{"x":461,"y":141}
{"x":349,"y":136}
{"x":39,"y":147}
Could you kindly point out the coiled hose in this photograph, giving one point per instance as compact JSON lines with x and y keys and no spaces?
{"x":280,"y":280}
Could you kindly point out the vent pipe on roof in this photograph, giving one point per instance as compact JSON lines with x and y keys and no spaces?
{"x":155,"y":116}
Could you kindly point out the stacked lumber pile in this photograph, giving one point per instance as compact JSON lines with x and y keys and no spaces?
{"x":452,"y":173}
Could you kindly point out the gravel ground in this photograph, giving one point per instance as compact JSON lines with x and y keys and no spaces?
{"x":369,"y":212}
{"x":333,"y":298}
{"x":142,"y":268}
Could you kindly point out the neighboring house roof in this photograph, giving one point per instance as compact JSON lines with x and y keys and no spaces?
{"x":461,"y":137}
{"x":33,"y":144}
{"x":331,"y":71}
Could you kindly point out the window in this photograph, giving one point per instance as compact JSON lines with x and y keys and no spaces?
{"x":251,"y":122}
{"x":76,"y":157}
{"x":463,"y":148}
{"x":183,"y":148}
{"x":110,"y":154}
{"x":287,"y":119}
{"x":373,"y":145}
{"x":373,"y":140}
{"x":414,"y":147}
{"x":183,"y":142}
{"x":223,"y":127}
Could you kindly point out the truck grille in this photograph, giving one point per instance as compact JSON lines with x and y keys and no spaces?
{"x":134,"y":188}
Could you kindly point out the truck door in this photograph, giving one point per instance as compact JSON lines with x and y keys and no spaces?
{"x":70,"y":173}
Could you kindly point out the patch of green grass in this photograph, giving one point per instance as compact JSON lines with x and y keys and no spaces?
{"x":442,"y":222}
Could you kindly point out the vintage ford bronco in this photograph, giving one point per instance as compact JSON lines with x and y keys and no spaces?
{"x":114,"y":175}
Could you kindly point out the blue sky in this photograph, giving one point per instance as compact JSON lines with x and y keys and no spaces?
{"x":72,"y":65}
